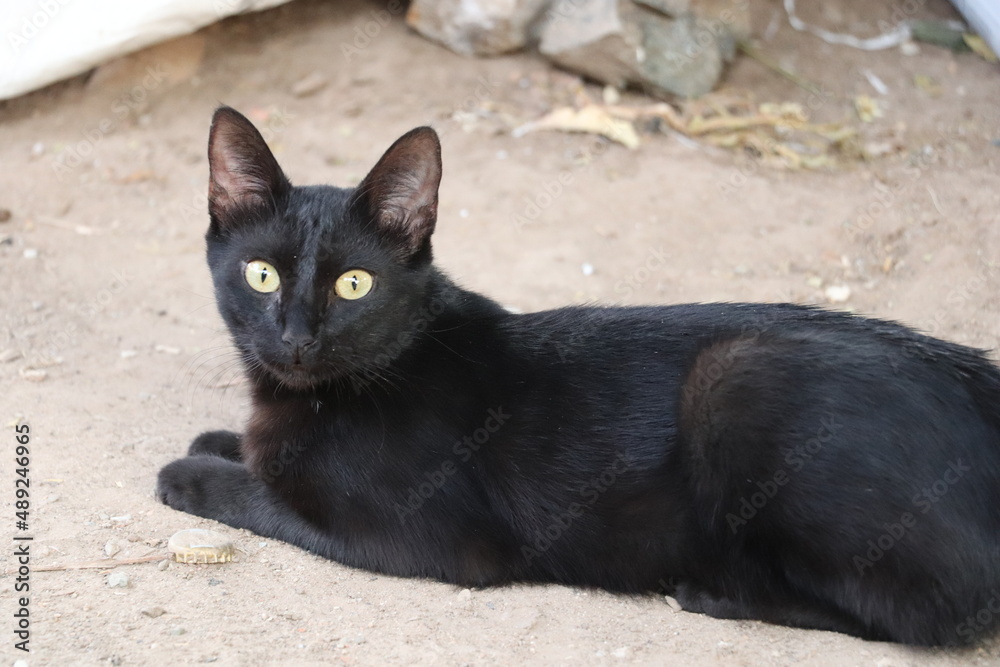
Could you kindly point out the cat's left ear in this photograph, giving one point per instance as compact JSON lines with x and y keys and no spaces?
{"x":400,"y":193}
{"x":243,"y":172}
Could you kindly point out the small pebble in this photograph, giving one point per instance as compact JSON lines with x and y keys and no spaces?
{"x":168,"y":349}
{"x":154,"y":612}
{"x":163,"y":565}
{"x":588,"y":269}
{"x":837,"y":293}
{"x":5,"y":214}
{"x":673,"y":603}
{"x":33,"y":374}
{"x":30,"y":253}
{"x":111,"y":548}
{"x":124,"y":518}
{"x":309,"y":84}
{"x":177,"y":631}
{"x":128,"y":354}
{"x":465,"y":594}
{"x":8,"y":355}
{"x":118,"y":580}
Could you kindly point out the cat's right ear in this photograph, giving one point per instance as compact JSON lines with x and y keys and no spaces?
{"x":243,"y":174}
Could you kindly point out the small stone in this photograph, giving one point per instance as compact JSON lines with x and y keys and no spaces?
{"x":124,"y":518}
{"x":837,"y":293}
{"x":111,"y":548}
{"x":33,"y":374}
{"x":177,"y":631}
{"x":480,"y":27}
{"x":310,"y":84}
{"x":128,"y":354}
{"x":168,"y":349}
{"x":118,"y":580}
{"x":673,"y":603}
{"x":8,"y":355}
{"x":30,"y":253}
{"x":587,"y":269}
{"x":465,"y":595}
{"x":154,"y":612}
{"x":724,"y":648}
{"x":622,"y":652}
{"x":163,"y":565}
{"x":5,"y":215}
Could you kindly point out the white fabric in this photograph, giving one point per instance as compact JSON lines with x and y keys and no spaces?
{"x":44,"y":41}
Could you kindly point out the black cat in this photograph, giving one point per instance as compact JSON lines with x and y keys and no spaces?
{"x":771,"y":462}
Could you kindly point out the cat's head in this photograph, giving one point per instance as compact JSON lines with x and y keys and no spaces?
{"x":317,"y":283}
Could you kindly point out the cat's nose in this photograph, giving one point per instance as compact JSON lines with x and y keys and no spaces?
{"x":298,"y":342}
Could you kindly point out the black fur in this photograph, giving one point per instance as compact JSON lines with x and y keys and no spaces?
{"x":772,"y":462}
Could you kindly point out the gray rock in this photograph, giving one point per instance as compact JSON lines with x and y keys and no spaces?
{"x":476,"y":27}
{"x":622,"y":42}
{"x":118,"y":580}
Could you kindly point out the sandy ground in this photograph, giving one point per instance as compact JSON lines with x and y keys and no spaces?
{"x":106,"y":294}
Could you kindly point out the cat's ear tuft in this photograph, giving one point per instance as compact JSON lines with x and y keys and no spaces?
{"x":400,"y":193}
{"x":243,"y":172}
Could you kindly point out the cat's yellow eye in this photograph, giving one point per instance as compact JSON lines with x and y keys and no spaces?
{"x":353,"y":284}
{"x":262,"y":276}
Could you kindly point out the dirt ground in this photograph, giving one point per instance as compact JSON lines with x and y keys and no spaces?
{"x":113,"y":353}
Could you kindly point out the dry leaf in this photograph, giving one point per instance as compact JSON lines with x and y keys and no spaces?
{"x":927,"y":84}
{"x":867,"y":108}
{"x":590,"y":119}
{"x":980,"y":48}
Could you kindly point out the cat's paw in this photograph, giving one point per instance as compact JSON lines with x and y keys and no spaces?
{"x":217,"y":443}
{"x":196,"y":485}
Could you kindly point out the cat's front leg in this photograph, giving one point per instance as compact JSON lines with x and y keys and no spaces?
{"x":217,"y":488}
{"x":217,"y":443}
{"x":210,"y":486}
